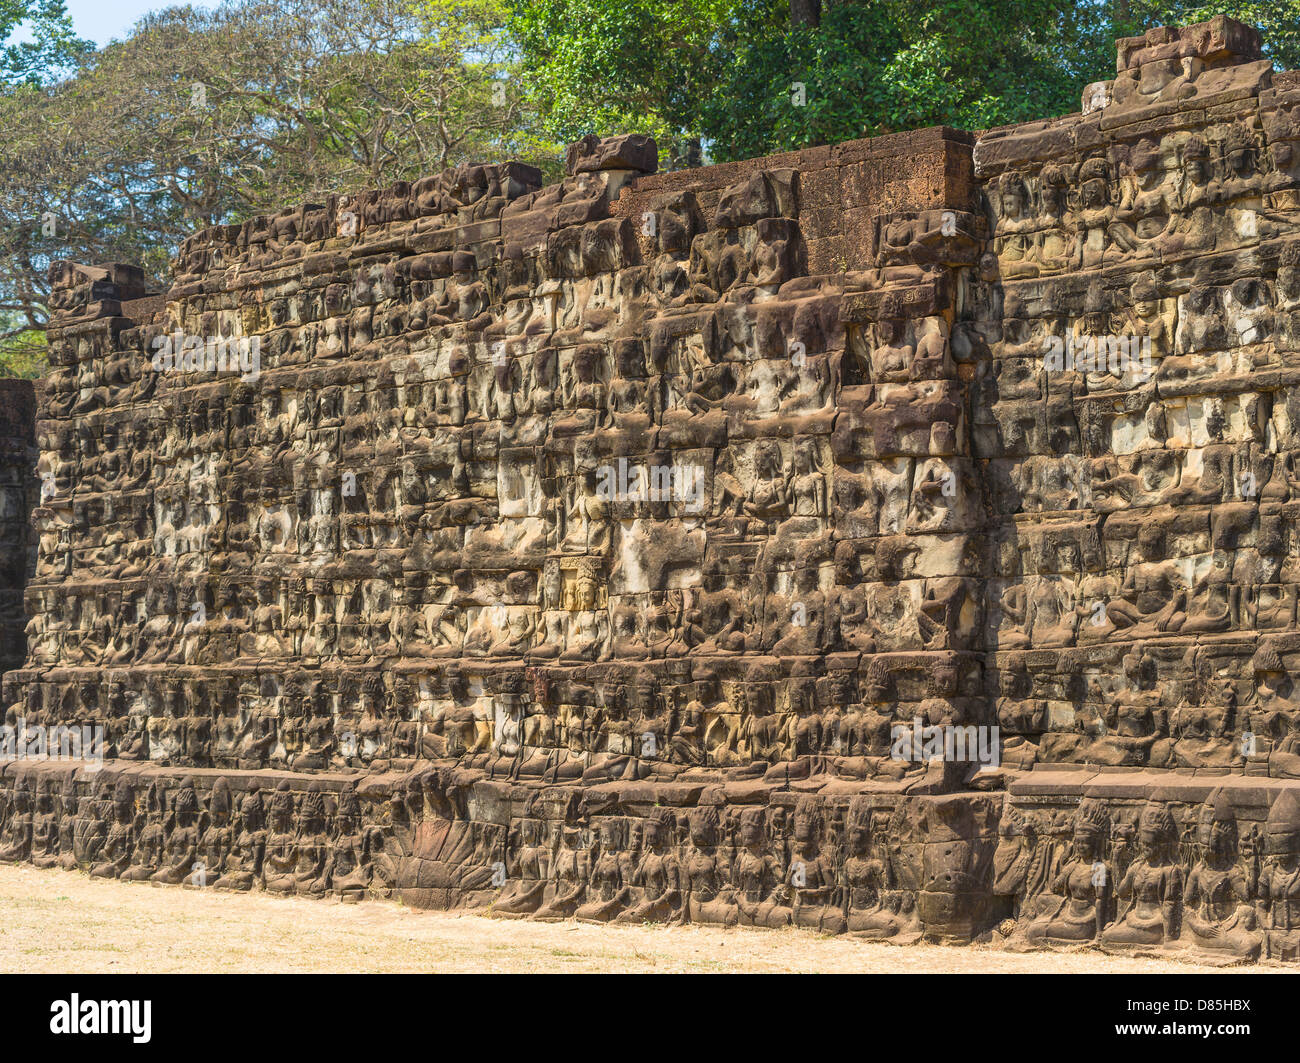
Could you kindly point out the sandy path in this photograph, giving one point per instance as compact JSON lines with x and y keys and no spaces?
{"x":66,"y":922}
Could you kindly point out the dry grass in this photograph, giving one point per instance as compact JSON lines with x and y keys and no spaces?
{"x":57,"y":921}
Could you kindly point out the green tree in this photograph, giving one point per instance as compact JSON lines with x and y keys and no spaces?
{"x":870,"y":68}
{"x":617,"y":66}
{"x":1278,"y":21}
{"x":23,"y":351}
{"x":51,"y":45}
{"x":749,"y":77}
{"x":204,"y":117}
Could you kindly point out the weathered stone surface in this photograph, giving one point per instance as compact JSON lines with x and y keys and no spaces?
{"x":19,"y":491}
{"x":612,"y":549}
{"x":632,"y":151}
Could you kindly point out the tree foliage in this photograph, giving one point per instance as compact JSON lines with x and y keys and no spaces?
{"x":23,"y":352}
{"x":203,"y":117}
{"x":211,"y":116}
{"x":725,"y":72}
{"x":615,"y":67}
{"x":50,"y":45}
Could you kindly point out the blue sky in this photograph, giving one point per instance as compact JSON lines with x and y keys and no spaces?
{"x":102,"y":20}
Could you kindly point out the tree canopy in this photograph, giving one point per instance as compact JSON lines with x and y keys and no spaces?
{"x":211,"y":116}
{"x":50,"y":44}
{"x":749,"y":77}
{"x":201,"y":117}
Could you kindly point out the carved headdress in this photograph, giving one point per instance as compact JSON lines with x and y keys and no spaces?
{"x":1092,"y":820}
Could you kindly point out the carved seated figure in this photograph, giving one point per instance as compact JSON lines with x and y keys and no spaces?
{"x":1153,"y":599}
{"x":722,"y":731}
{"x":1218,"y":916}
{"x":349,"y":865}
{"x":656,"y":881}
{"x":1081,"y":886}
{"x":1013,"y":234}
{"x":151,"y":838}
{"x":1151,"y":891}
{"x":134,"y":743}
{"x":115,"y":857}
{"x":813,"y":886}
{"x":317,"y":736}
{"x":217,"y":839}
{"x":527,"y":862}
{"x":768,"y":496}
{"x":757,"y":875}
{"x":182,"y":849}
{"x":91,"y":826}
{"x":569,"y":875}
{"x":800,"y":623}
{"x":1138,"y":723}
{"x":933,"y":360}
{"x":686,"y":741}
{"x":16,"y":841}
{"x":312,"y":847}
{"x":258,"y":741}
{"x":722,"y":619}
{"x":243,"y":866}
{"x":1279,"y":883}
{"x":717,"y":263}
{"x":1202,"y":734}
{"x":1284,"y":758}
{"x":706,"y":872}
{"x":872,"y":909}
{"x":808,"y":487}
{"x":891,"y":360}
{"x":45,"y":827}
{"x":1276,"y":711}
{"x":281,"y":862}
{"x":869,"y":734}
{"x":68,"y":823}
{"x":611,"y":874}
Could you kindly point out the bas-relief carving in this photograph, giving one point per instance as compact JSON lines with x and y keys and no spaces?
{"x":378,"y":618}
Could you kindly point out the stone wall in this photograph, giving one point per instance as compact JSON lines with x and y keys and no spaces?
{"x":604,"y":549}
{"x":19,"y":490}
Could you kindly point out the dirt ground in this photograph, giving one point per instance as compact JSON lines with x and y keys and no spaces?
{"x":60,"y":921}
